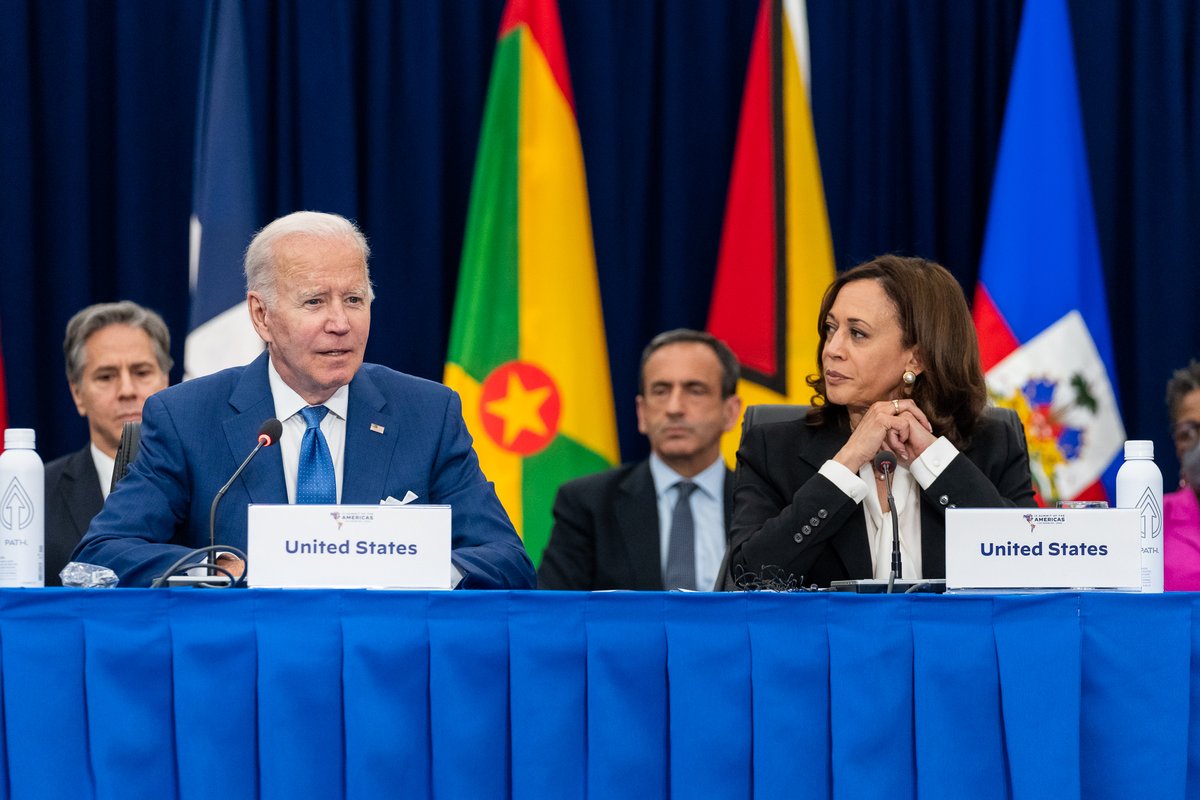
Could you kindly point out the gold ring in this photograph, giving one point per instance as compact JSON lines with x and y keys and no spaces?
{"x":896,"y":405}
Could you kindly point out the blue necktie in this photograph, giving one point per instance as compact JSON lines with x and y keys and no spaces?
{"x":681,"y":549}
{"x":315,"y":480}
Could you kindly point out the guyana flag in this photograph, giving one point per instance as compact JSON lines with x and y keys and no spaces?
{"x":776,"y":254}
{"x":527,"y":348}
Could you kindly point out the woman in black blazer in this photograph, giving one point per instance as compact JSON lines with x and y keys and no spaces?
{"x":900,"y":372}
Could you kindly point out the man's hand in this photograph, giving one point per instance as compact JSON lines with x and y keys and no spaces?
{"x":232,"y":563}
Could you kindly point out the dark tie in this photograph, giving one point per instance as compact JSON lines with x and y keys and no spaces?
{"x":681,"y":550}
{"x":315,"y":480}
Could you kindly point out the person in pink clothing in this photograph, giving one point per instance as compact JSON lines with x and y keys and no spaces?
{"x":1181,"y":508}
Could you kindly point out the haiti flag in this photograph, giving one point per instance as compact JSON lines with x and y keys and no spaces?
{"x":1040,"y":306}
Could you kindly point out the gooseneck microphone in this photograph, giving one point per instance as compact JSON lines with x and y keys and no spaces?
{"x":885,"y":462}
{"x":268,"y":435}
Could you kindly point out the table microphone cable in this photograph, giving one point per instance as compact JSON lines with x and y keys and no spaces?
{"x":186,"y":563}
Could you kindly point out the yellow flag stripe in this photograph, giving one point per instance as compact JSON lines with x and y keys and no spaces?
{"x":502,"y":467}
{"x":809,"y":244}
{"x":561,"y":326}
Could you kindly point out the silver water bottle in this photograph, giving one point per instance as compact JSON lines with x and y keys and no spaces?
{"x":22,"y":511}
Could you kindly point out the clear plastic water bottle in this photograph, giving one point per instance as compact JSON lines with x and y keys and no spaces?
{"x":1140,"y":486}
{"x":22,"y":511}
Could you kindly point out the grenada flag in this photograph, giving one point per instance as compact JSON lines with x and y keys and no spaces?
{"x":527,"y":348}
{"x":776,"y":253}
{"x":1040,"y":306}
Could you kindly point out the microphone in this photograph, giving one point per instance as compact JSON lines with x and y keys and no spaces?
{"x":268,"y":434}
{"x":885,"y":462}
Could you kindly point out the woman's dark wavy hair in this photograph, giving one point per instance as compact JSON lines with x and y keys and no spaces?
{"x":933,"y":317}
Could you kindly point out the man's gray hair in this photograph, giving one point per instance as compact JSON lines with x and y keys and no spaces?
{"x":259,"y":261}
{"x":730,"y":370}
{"x":101,"y":315}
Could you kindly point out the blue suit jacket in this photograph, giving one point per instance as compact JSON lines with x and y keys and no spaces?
{"x":194,"y":435}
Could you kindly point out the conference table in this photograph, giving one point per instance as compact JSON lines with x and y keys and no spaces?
{"x":365,"y":694}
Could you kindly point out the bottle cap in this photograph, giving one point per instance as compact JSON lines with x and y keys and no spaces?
{"x":1139,"y":448}
{"x":19,"y":438}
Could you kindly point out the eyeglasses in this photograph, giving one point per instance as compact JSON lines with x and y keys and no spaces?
{"x":1186,"y":433}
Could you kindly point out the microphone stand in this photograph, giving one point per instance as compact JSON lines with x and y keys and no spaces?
{"x":897,"y":571}
{"x":212,"y":510}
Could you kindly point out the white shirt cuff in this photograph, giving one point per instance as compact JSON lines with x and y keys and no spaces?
{"x":840,"y":476}
{"x":928,"y":466}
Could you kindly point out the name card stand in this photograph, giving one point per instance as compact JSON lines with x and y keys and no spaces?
{"x":1016,"y":549}
{"x":344,"y":546}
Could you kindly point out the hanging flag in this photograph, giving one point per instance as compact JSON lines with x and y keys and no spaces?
{"x":527,"y":349}
{"x":1040,"y":306}
{"x":224,"y":200}
{"x":776,"y":256}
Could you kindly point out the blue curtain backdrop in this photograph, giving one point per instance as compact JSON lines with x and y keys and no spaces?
{"x":373,"y":110}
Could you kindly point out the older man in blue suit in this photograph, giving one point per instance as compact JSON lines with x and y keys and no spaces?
{"x":352,"y":432}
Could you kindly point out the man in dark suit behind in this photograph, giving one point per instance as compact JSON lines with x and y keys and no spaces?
{"x":117,"y":355}
{"x":626,"y":528}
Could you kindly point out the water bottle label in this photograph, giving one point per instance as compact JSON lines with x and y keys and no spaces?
{"x":16,"y":507}
{"x":1147,"y":505}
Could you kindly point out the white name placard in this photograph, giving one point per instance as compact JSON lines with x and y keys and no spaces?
{"x":1043,"y":548}
{"x":342,"y":546}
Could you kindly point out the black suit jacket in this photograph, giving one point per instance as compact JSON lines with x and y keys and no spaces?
{"x":789,"y":517}
{"x":73,"y":497}
{"x":606,"y":533}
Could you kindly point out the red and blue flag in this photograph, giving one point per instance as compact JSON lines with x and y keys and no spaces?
{"x":1040,"y":306}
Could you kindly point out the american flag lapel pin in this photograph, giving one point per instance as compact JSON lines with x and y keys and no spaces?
{"x":376,"y":427}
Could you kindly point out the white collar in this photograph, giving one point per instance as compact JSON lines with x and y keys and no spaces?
{"x":104,"y":464}
{"x":288,"y":403}
{"x":711,"y":479}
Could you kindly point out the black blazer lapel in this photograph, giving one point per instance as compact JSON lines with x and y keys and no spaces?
{"x":933,"y":548}
{"x":636,"y":514}
{"x":818,"y":444}
{"x":72,"y":498}
{"x":728,"y":504}
{"x":80,"y":491}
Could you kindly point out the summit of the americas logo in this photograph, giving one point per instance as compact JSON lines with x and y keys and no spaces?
{"x":1044,"y":518}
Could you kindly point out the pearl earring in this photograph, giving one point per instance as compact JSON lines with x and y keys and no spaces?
{"x":909,"y":377}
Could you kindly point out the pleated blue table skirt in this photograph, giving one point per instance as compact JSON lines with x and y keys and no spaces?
{"x":360,"y":694}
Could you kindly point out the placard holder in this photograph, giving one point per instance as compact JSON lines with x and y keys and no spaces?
{"x":349,"y":546}
{"x":1039,"y":549}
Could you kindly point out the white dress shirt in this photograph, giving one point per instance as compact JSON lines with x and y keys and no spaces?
{"x":287,"y":410}
{"x":104,"y":469}
{"x":906,"y":489}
